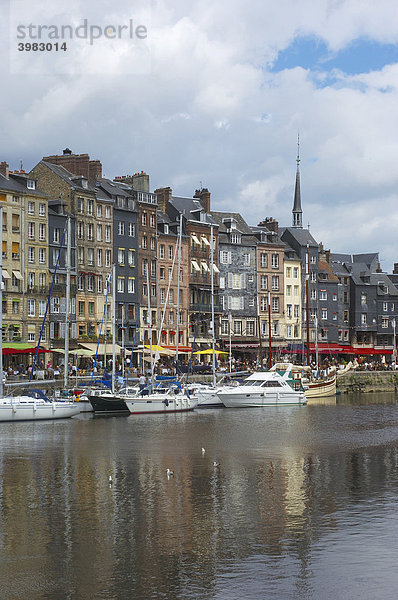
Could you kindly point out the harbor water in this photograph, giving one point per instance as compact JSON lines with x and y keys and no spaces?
{"x":282,"y":503}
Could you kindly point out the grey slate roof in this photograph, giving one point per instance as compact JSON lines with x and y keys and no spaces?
{"x":188,"y":207}
{"x":303,"y":236}
{"x":73,"y":180}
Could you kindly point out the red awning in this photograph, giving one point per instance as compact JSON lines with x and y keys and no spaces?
{"x":371,"y":351}
{"x":7,"y":351}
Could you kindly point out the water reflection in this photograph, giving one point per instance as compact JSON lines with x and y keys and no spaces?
{"x":292,"y":487}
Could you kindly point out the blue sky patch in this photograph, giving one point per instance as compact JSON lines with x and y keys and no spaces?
{"x":361,"y":56}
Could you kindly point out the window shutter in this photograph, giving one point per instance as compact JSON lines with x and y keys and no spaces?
{"x":229,"y":302}
{"x":243,"y":281}
{"x":230,"y":278}
{"x":73,"y":306}
{"x":229,"y":257}
{"x":52,"y":330}
{"x":242,"y":302}
{"x":52,"y":310}
{"x":62,"y":329}
{"x":74,"y":331}
{"x":62,"y":307}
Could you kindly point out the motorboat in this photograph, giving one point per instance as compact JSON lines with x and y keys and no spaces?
{"x":35,"y":406}
{"x":207,"y":392}
{"x":265,"y":388}
{"x":316,"y":383}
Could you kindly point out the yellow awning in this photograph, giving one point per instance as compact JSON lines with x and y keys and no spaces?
{"x":18,"y":275}
{"x":6,"y":274}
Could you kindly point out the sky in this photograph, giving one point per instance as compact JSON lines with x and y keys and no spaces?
{"x":215,"y":96}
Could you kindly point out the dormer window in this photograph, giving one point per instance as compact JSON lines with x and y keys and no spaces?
{"x":84,"y":183}
{"x":31,"y":184}
{"x":236,"y":238}
{"x":166,"y":228}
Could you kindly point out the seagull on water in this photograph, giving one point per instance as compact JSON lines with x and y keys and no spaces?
{"x":216,"y":464}
{"x":110,"y":480}
{"x":203,"y":451}
{"x":170,"y":473}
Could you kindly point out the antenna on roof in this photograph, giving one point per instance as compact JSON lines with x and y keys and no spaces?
{"x":201,"y":185}
{"x":298,"y":150}
{"x":21,"y":164}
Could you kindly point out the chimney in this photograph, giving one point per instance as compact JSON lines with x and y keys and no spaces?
{"x":4,"y":170}
{"x":95,"y":170}
{"x":163,"y":196}
{"x":395,"y":271}
{"x":379,"y":269}
{"x":204,"y":196}
{"x":138,"y":181}
{"x":270,"y":224}
{"x":78,"y":164}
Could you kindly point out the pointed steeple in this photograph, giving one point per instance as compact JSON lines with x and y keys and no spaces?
{"x":297,"y":212}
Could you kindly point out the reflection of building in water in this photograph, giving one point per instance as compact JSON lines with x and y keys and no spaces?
{"x":146,"y":534}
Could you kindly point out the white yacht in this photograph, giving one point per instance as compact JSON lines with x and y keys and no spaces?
{"x":27,"y":408}
{"x":267,"y":388}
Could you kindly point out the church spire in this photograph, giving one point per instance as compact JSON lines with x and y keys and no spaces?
{"x":297,"y":212}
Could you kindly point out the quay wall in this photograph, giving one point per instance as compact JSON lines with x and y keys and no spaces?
{"x":368,"y":381}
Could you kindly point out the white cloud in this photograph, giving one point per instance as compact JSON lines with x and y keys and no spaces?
{"x":210,"y":111}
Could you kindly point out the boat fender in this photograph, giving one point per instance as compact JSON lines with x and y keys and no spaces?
{"x":166,"y":402}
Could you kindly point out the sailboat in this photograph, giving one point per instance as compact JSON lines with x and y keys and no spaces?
{"x":34,"y":405}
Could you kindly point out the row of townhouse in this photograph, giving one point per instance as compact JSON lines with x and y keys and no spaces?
{"x":265,"y":279}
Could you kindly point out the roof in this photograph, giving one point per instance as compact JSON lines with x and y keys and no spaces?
{"x":189,"y":206}
{"x":72,"y":180}
{"x":324,"y":266}
{"x":302,"y":236}
{"x":18,"y":185}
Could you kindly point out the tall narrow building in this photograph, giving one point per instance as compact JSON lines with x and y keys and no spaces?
{"x":297,"y":212}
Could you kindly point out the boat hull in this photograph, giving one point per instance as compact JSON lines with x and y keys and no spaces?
{"x":321,"y":389}
{"x":108,"y":405}
{"x":257,"y":399}
{"x":36,"y":410}
{"x":207,"y":397}
{"x":160,"y":404}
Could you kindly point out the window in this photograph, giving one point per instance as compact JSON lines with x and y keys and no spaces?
{"x":346,"y":335}
{"x":120,"y":228}
{"x":289,"y":331}
{"x":143,"y":219}
{"x":80,"y":283}
{"x":275,"y":328}
{"x":234,"y":282}
{"x":90,"y":232}
{"x":295,"y":272}
{"x":263,"y":260}
{"x":152,"y":221}
{"x":162,"y":295}
{"x":171,"y":317}
{"x":42,"y":256}
{"x":324,"y":314}
{"x":90,"y":207}
{"x":90,"y":256}
{"x":288,"y":271}
{"x":170,"y":252}
{"x":80,"y":230}
{"x":296,"y":290}
{"x":42,"y":210}
{"x":31,"y":184}
{"x":237,"y":327}
{"x":42,"y":232}
{"x":56,"y":235}
{"x":144,"y":242}
{"x":99,"y":211}
{"x":120,"y":256}
{"x":288,"y":290}
{"x":222,"y":282}
{"x":363,"y":298}
{"x":236,"y":303}
{"x":313,"y":276}
{"x":275,"y":283}
{"x":264,"y":303}
{"x":131,"y":257}
{"x":99,"y":285}
{"x":90,"y":283}
{"x":91,"y":308}
{"x":55,"y":305}
{"x":345,"y":316}
{"x":107,"y":258}
{"x":263,"y":282}
{"x":31,"y":231}
{"x":250,"y":328}
{"x":313,"y":259}
{"x":385,"y":306}
{"x":99,"y":257}
{"x":99,"y":233}
{"x":224,"y":327}
{"x":275,"y":304}
{"x":80,"y":205}
{"x":130,"y":285}
{"x":364,"y":319}
{"x":131,"y":229}
{"x":120,"y":284}
{"x":153,"y":243}
{"x":246,"y":259}
{"x":161,"y":251}
{"x":323,"y":295}
{"x":225,"y":257}
{"x":107,"y":212}
{"x":296,"y":311}
{"x":236,"y":239}
{"x":275,"y":261}
{"x":288,"y":310}
{"x":82,"y":308}
{"x":107,"y":233}
{"x":313,"y":294}
{"x":80,"y":255}
{"x":334,"y":297}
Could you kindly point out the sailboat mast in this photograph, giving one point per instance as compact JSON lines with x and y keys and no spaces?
{"x":67,"y":300}
{"x":269,"y":330}
{"x":113,"y":327}
{"x":1,"y":302}
{"x":178,"y":290}
{"x":307,"y":298}
{"x":213,"y":333}
{"x":149,"y":315}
